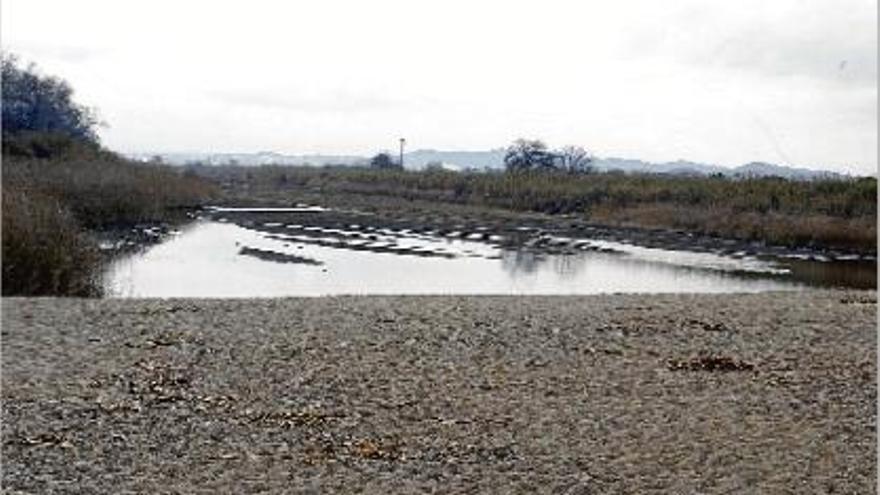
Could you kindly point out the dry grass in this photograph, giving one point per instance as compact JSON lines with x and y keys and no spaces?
{"x":829,"y":213}
{"x":105,"y":193}
{"x":815,"y":230}
{"x":44,"y":251}
{"x":50,"y":204}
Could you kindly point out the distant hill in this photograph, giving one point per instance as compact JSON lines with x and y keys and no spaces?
{"x":681,"y":167}
{"x":491,"y":159}
{"x":261,"y":158}
{"x":462,"y":159}
{"x":494,"y":159}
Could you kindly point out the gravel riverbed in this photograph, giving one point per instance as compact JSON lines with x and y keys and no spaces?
{"x":759,"y":393}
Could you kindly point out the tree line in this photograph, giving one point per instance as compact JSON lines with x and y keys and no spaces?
{"x":523,"y":155}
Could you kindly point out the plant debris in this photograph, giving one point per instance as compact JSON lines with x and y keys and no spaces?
{"x":274,"y":256}
{"x":709,"y":363}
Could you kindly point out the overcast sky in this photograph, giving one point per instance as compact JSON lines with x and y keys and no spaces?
{"x":784,"y":81}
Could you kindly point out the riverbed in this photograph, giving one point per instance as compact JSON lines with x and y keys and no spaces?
{"x":676,"y":393}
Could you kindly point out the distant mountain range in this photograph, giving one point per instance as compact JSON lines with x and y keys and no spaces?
{"x":683,"y":167}
{"x":489,"y":159}
{"x":261,"y":158}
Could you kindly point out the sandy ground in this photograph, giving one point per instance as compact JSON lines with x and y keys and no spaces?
{"x":763,"y":393}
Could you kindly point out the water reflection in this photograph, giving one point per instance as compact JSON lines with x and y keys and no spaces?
{"x":570,"y":266}
{"x":520,"y":261}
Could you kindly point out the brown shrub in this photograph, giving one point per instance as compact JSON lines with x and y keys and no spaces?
{"x":47,"y":203}
{"x":807,"y":229}
{"x":103,"y":193}
{"x":44,"y":253}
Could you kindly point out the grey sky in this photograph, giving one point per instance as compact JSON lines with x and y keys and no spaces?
{"x":791,"y":82}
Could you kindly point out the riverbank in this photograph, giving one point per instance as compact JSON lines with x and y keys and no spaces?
{"x":826,"y":215}
{"x":67,"y":213}
{"x":760,"y":393}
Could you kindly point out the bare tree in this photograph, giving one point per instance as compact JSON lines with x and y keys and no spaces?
{"x":527,"y":155}
{"x":575,"y":160}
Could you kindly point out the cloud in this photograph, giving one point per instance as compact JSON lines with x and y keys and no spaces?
{"x":299,"y":100}
{"x":832,"y":42}
{"x":49,"y":52}
{"x":657,"y":80}
{"x":846,"y":60}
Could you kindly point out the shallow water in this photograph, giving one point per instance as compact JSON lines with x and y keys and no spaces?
{"x":264,"y":209}
{"x":222,"y":259}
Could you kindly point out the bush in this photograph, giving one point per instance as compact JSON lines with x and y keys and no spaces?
{"x":108,"y":193}
{"x":47,"y":203}
{"x":44,"y":252}
{"x":38,"y":103}
{"x":44,"y":145}
{"x":383,"y":161}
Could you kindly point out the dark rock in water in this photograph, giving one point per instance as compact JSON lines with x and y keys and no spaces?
{"x":277,"y":257}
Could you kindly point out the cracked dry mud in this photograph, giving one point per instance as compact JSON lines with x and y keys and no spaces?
{"x":761,"y":393}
